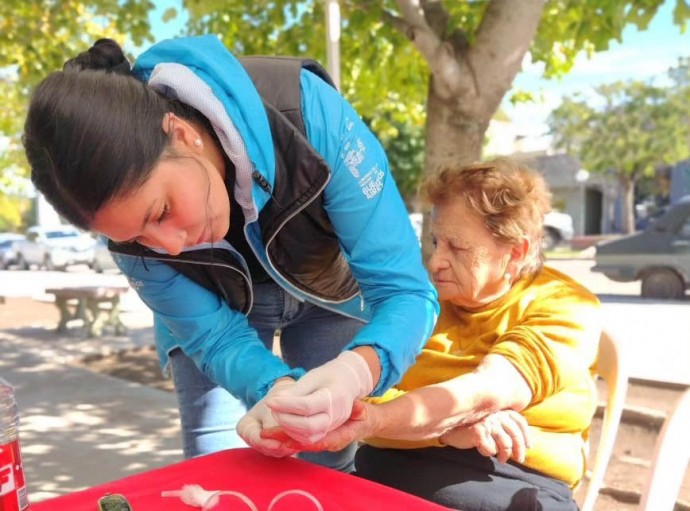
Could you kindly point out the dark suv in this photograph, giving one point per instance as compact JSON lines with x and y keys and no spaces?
{"x":659,"y":255}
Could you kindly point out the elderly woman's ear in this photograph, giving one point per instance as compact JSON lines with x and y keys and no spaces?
{"x":519,"y":254}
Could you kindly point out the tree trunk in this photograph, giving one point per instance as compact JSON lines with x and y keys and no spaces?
{"x":468,"y":83}
{"x":628,"y":204}
{"x":454,"y":135}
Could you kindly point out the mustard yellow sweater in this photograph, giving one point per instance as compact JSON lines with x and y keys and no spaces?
{"x":548,"y":327}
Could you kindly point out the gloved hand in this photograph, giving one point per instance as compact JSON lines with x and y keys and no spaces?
{"x":322,"y":399}
{"x":258,"y":418}
{"x":357,"y":427}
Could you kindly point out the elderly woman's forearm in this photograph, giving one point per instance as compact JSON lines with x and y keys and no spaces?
{"x":428,"y":412}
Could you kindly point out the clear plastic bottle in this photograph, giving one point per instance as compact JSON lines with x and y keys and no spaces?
{"x":13,"y":495}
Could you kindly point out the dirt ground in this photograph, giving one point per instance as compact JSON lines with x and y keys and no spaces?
{"x":626,"y":474}
{"x":139,"y":365}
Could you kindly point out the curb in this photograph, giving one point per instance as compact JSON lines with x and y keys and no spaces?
{"x":633,"y":497}
{"x":637,"y":415}
{"x":648,"y":418}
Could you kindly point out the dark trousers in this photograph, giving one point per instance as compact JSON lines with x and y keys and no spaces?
{"x":463,"y":479}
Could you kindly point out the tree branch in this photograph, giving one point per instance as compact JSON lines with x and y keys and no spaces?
{"x":503,"y":39}
{"x":429,"y":41}
{"x":414,"y":27}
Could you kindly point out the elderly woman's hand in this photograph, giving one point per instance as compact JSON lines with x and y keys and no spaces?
{"x":503,"y":434}
{"x":360,"y":425}
{"x":258,"y":419}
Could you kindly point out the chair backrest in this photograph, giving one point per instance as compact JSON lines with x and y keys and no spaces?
{"x":612,"y":369}
{"x":670,"y":459}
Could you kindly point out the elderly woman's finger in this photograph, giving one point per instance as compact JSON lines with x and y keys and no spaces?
{"x":486,"y":445}
{"x":504,"y":441}
{"x":515,"y":426}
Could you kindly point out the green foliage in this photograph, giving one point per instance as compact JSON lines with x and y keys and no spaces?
{"x":638,"y":127}
{"x":382,"y":74}
{"x":568,"y":28}
{"x":522,"y":96}
{"x":36,"y":37}
{"x":404,"y":145}
{"x":376,"y":57}
{"x":635,"y":127}
{"x":12,"y":211}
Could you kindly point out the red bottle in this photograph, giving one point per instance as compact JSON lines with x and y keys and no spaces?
{"x":13,"y":496}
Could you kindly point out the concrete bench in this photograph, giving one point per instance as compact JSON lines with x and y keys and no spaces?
{"x":95,"y":306}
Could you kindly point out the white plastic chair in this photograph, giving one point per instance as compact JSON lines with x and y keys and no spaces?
{"x":670,"y":459}
{"x":611,"y":368}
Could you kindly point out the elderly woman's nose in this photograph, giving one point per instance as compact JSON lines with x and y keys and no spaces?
{"x":437,"y":261}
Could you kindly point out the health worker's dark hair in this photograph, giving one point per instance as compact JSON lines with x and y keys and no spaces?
{"x":94,"y":132}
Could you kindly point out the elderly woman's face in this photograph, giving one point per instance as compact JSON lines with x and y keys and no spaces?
{"x":468,"y":265}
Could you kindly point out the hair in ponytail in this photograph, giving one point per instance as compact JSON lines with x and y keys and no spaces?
{"x":94,"y":132}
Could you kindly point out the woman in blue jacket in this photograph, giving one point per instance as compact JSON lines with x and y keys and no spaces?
{"x":234,"y":215}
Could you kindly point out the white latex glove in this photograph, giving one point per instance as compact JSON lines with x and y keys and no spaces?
{"x":259,"y":417}
{"x":322,"y":399}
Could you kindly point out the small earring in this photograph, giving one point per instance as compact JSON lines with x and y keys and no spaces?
{"x":197,"y":142}
{"x":507,"y":276}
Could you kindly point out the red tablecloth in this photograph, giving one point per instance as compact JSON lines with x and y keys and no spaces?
{"x":257,"y":476}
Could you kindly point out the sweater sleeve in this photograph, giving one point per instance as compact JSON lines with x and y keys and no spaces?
{"x":556,"y":342}
{"x":374,"y":230}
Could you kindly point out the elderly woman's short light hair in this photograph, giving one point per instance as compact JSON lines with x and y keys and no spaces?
{"x":509,"y":197}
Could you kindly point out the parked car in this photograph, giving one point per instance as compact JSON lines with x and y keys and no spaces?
{"x":54,"y":248}
{"x":659,"y":256}
{"x":102,"y":258}
{"x":8,"y":255}
{"x":558,"y":229}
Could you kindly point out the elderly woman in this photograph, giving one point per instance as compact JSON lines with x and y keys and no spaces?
{"x":513,"y":336}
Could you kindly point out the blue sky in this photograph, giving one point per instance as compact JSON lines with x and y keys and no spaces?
{"x":171,"y":28}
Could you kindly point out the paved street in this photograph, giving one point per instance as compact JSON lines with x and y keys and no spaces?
{"x":656,"y":334}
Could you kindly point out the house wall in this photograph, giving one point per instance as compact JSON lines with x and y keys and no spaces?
{"x":584,"y":196}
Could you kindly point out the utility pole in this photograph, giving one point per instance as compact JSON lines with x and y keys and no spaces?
{"x":333,"y":40}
